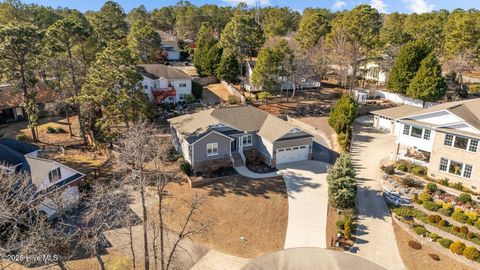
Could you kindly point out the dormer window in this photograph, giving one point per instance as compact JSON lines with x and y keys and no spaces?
{"x":55,"y":175}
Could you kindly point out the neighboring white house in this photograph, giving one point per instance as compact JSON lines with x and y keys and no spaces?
{"x":286,"y":85}
{"x":47,"y":176}
{"x":172,"y":49}
{"x":374,"y":73}
{"x":165,"y":84}
{"x":444,"y":138}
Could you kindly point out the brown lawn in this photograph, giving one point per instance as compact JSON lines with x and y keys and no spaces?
{"x":419,"y":259}
{"x":322,"y":125}
{"x":254,"y":209}
{"x":82,"y":160}
{"x":219,"y":90}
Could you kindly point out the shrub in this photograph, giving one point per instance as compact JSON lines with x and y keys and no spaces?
{"x":477,"y":224}
{"x":51,"y":130}
{"x":348,"y":226}
{"x":472,"y":216}
{"x":431,"y":187}
{"x":60,"y":130}
{"x":446,"y":212}
{"x":470,"y":235}
{"x":344,"y":141}
{"x":22,"y":138}
{"x":434,"y":218}
{"x":403,"y":165}
{"x":425,"y":196}
{"x":456,"y":229}
{"x":464,"y":230}
{"x":184,"y":166}
{"x":471,"y":253}
{"x":434,"y":236}
{"x":419,"y":170}
{"x":458,"y":186}
{"x":464,"y":198}
{"x":443,"y":223}
{"x":429,"y":205}
{"x":444,"y":182}
{"x":340,"y":224}
{"x":210,"y":166}
{"x":434,"y":257}
{"x":389,"y":169}
{"x":459,"y":216}
{"x":410,"y":182}
{"x":232,"y":99}
{"x":457,"y":247}
{"x":414,"y":244}
{"x":420,"y":230}
{"x":254,"y":157}
{"x":445,"y":242}
{"x":171,"y":154}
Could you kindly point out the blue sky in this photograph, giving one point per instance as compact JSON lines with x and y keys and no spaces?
{"x":406,"y":6}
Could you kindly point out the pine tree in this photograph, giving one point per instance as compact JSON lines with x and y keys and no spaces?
{"x":228,"y":69}
{"x":428,"y":83}
{"x":342,"y":185}
{"x":406,"y":65}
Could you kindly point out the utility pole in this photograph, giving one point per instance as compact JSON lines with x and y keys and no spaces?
{"x":257,"y":12}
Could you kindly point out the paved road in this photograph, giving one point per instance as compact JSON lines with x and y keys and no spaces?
{"x":375,"y":237}
{"x":310,"y":258}
{"x":307,"y":203}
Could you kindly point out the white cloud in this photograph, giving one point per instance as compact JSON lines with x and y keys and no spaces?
{"x":339,"y":4}
{"x":419,"y":6}
{"x":248,"y":2}
{"x":379,"y":5}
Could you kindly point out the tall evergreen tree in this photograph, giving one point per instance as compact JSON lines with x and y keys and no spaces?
{"x":228,"y":69}
{"x":406,"y":65}
{"x":19,"y":50}
{"x":144,"y":42}
{"x":242,"y":36}
{"x":208,"y":52}
{"x":312,"y":27}
{"x":342,"y":185}
{"x":428,"y":83}
{"x":109,"y":23}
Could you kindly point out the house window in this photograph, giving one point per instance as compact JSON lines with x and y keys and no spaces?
{"x":182,"y":85}
{"x":467,"y":171}
{"x":461,"y":143}
{"x":55,"y":175}
{"x":212,"y":149}
{"x":473,"y":146}
{"x":406,"y":130}
{"x":443,"y":164}
{"x":416,"y":132}
{"x":145,"y":86}
{"x":448,"y":140}
{"x":427,"y":134}
{"x":182,"y":96}
{"x":455,"y":167}
{"x":247,"y":140}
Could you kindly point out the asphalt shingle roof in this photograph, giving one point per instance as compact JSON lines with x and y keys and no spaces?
{"x":156,"y":71}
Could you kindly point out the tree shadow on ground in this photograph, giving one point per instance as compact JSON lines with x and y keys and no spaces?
{"x":243,"y":186}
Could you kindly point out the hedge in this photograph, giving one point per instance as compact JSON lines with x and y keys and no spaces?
{"x":471,"y":253}
{"x":457,"y":247}
{"x":445,"y":242}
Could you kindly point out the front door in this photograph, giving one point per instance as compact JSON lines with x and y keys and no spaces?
{"x":234,"y":145}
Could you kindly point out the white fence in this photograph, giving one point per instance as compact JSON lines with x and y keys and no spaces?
{"x":399,"y":99}
{"x":234,"y":92}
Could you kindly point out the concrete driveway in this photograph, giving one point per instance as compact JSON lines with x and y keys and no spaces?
{"x":310,"y":258}
{"x":375,"y":236}
{"x":307,"y":203}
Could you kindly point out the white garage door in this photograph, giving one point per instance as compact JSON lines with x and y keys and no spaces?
{"x":292,"y":154}
{"x":384,"y":124}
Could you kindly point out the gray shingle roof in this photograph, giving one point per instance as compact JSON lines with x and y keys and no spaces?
{"x":156,"y":71}
{"x":241,"y":118}
{"x":21,"y":147}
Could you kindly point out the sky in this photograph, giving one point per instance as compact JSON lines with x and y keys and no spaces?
{"x":386,"y":6}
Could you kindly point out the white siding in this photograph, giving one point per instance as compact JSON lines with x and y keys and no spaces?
{"x":419,"y":143}
{"x":438,"y":118}
{"x":163,"y":83}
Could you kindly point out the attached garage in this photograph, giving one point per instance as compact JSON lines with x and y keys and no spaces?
{"x":292,"y":154}
{"x":385,"y":119}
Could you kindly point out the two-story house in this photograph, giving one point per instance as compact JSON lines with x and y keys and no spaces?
{"x":47,"y":176}
{"x":227,"y":132}
{"x":444,"y":138}
{"x":165,"y":84}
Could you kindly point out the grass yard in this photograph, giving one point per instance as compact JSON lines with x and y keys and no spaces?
{"x":254,"y":209}
{"x":419,"y":259}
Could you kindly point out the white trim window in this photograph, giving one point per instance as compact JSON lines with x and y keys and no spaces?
{"x":417,"y":132}
{"x":406,"y":130}
{"x":461,"y":142}
{"x":247,"y":140}
{"x":456,"y":168}
{"x":55,"y":175}
{"x":212,"y":149}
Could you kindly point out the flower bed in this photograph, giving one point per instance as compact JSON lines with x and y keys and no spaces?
{"x":407,"y":212}
{"x":456,"y":247}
